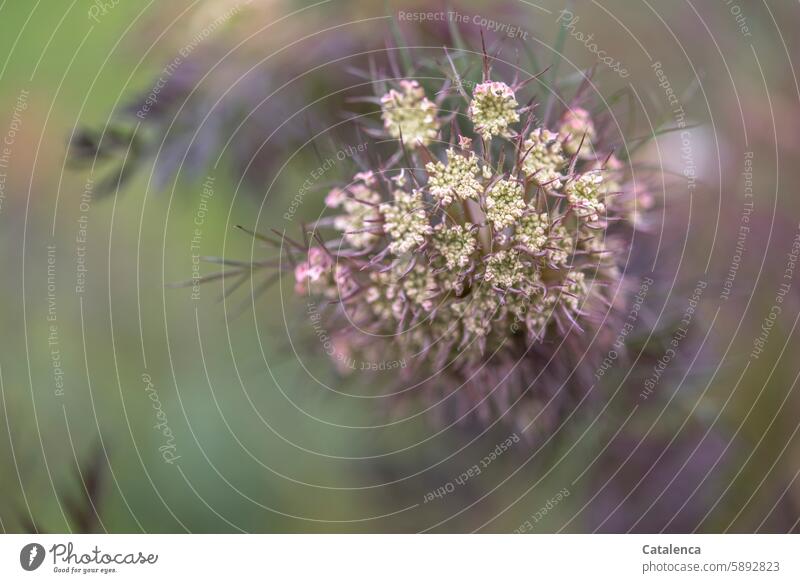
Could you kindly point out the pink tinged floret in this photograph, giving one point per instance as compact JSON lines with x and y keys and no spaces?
{"x":300,"y":278}
{"x":319,"y":262}
{"x":367,"y":177}
{"x":335,"y":198}
{"x":577,"y":130}
{"x":318,"y":265}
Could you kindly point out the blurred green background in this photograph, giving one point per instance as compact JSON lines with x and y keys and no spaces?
{"x":262,"y":445}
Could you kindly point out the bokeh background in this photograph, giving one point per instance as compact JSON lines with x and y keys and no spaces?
{"x":129,"y":405}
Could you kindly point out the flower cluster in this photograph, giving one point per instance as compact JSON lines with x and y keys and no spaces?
{"x":360,"y":218}
{"x":585,"y":195}
{"x":407,"y":113}
{"x":493,"y":109}
{"x":482,"y":250}
{"x":575,"y":124}
{"x":455,"y":180}
{"x":505,"y":203}
{"x":456,"y":243}
{"x":405,"y":221}
{"x":532,"y":231}
{"x":544,"y":158}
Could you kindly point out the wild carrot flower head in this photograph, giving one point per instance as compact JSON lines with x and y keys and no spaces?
{"x":474,"y":259}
